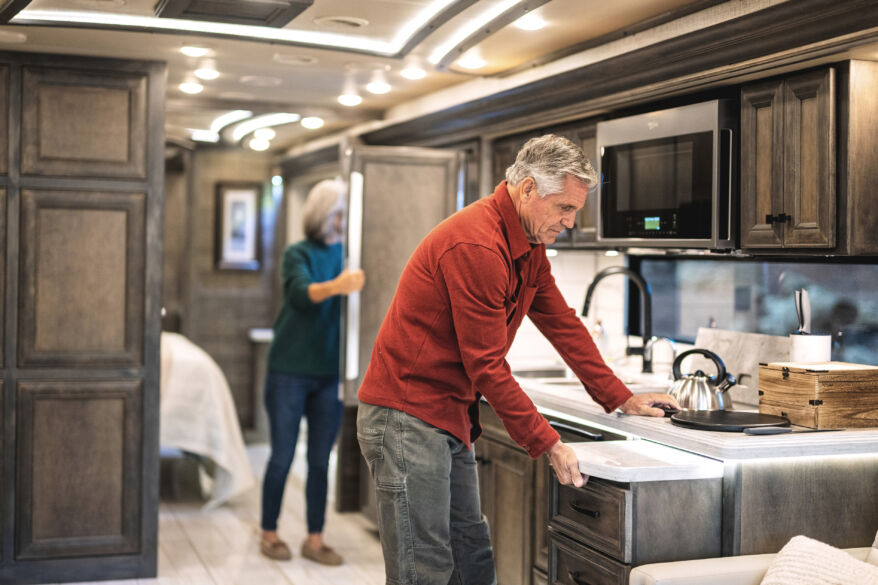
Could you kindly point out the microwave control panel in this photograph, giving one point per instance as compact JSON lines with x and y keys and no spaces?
{"x":638,"y":225}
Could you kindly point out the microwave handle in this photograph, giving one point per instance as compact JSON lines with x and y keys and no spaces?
{"x":730,"y":162}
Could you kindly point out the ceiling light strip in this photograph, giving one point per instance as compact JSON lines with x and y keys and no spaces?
{"x":245,"y":128}
{"x":480,"y":28}
{"x":410,"y":33}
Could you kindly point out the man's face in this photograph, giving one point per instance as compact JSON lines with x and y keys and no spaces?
{"x":543,"y":218}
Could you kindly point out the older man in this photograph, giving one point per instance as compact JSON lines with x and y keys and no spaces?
{"x":443,"y":344}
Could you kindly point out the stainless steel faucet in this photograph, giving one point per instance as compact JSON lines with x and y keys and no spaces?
{"x":645,"y":305}
{"x":653,"y":341}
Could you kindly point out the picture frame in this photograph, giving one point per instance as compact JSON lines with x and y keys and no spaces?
{"x":238,"y":230}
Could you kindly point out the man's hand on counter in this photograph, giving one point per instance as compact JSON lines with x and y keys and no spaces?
{"x":649,"y":404}
{"x":566,"y":465}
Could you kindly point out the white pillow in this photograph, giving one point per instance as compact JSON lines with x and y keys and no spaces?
{"x":805,"y":561}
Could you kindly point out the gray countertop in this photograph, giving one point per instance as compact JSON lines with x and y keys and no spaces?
{"x":574,"y":403}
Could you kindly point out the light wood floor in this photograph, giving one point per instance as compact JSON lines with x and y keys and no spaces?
{"x":221,"y":546}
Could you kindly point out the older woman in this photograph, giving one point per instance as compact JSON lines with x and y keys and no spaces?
{"x":303,"y":368}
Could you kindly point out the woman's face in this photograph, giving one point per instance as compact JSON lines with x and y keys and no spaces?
{"x":336,"y":227}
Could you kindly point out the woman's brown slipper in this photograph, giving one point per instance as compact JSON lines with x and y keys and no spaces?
{"x":324,"y":555}
{"x":277,"y":550}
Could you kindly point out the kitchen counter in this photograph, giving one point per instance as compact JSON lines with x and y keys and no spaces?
{"x":573,"y":402}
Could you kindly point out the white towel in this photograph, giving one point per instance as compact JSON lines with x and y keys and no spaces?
{"x":198,"y":415}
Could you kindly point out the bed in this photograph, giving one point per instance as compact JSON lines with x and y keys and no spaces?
{"x":198,"y":416}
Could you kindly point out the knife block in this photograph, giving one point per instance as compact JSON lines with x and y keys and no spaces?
{"x":824,"y":395}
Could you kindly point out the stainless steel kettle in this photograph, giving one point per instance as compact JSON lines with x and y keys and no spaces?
{"x":699,"y":391}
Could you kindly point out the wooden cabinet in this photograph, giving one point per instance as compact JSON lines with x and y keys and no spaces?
{"x":788,"y":162}
{"x":515,"y":497}
{"x":807,"y":174}
{"x":601,"y":530}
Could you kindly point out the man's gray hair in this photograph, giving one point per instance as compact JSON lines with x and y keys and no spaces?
{"x":323,"y":201}
{"x":549,"y":159}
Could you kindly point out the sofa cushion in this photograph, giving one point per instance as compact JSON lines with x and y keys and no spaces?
{"x":805,"y":561}
{"x":873,"y":554}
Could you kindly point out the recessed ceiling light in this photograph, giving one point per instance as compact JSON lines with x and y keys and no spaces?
{"x":191,"y":87}
{"x":530,"y":21}
{"x":350,"y":99}
{"x":413,"y":72}
{"x":261,"y":80}
{"x":312,"y":122}
{"x":12,"y":37}
{"x":378,"y":87}
{"x":259,"y":144}
{"x":294,"y":59}
{"x":341,"y":21}
{"x":264,"y":133}
{"x":206,"y":73}
{"x":471,"y":61}
{"x":193,"y":51}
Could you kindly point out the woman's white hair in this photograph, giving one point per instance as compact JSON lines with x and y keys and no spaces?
{"x":549,"y":159}
{"x":323,"y":201}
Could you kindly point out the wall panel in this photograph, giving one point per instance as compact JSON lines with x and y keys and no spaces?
{"x":84,"y":250}
{"x":106,"y":137}
{"x":78,"y":468}
{"x":4,"y":119}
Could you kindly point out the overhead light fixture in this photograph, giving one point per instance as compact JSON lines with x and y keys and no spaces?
{"x":350,"y":99}
{"x":413,"y":72}
{"x":378,"y":85}
{"x":264,"y":133}
{"x":193,"y":51}
{"x":312,"y":122}
{"x":221,"y":122}
{"x":248,"y":126}
{"x":471,"y":60}
{"x":203,"y":135}
{"x":470,"y":28}
{"x":206,"y":73}
{"x":259,"y":144}
{"x":530,"y":21}
{"x":191,"y":87}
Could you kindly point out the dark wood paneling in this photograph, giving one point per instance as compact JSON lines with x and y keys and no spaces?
{"x":809,"y":160}
{"x":78,"y":468}
{"x":86,"y":251}
{"x":4,"y":119}
{"x":106,"y":137}
{"x":2,"y":275}
{"x":861,"y":175}
{"x":762,"y":141}
{"x":3,"y":468}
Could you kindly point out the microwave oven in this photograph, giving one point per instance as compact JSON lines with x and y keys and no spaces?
{"x":667,"y":178}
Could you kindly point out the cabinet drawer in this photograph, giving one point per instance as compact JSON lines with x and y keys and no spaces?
{"x":597,"y":514}
{"x":570,"y":563}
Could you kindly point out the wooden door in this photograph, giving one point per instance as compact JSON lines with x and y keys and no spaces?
{"x":762,"y":141}
{"x":809,"y":160}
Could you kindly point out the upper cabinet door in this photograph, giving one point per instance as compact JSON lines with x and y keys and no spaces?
{"x":82,"y":123}
{"x":762,"y":143}
{"x":809,"y":160}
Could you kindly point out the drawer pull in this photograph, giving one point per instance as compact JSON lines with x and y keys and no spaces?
{"x":574,"y":576}
{"x":579,"y":508}
{"x":483,"y":460}
{"x":558,"y":426}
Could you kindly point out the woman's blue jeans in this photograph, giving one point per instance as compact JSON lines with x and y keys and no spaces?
{"x":287,"y":399}
{"x":429,"y":517}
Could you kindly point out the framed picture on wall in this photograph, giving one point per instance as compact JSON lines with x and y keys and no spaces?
{"x":238,"y":226}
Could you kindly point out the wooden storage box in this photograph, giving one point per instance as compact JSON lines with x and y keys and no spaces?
{"x":826,"y":395}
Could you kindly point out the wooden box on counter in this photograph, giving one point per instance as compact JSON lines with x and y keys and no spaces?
{"x":825,"y":395}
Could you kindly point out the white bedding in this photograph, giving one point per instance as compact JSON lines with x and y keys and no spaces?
{"x":198,"y":415}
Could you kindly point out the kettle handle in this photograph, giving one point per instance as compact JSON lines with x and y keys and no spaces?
{"x":720,"y":366}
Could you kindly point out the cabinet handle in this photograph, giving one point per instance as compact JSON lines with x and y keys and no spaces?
{"x":576,"y":431}
{"x":482,"y":460}
{"x":582,"y":510}
{"x":574,"y":576}
{"x":779,"y":218}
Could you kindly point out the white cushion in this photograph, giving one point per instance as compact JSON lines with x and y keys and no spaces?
{"x":805,"y":561}
{"x":873,"y":554}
